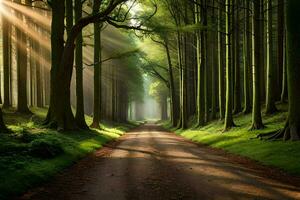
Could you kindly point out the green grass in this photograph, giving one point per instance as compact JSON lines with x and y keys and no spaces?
{"x":33,"y":154}
{"x":279,"y":154}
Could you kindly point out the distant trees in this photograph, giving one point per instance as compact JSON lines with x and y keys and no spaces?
{"x":221,"y":58}
{"x":60,"y":114}
{"x":160,"y":92}
{"x":28,"y":56}
{"x":247,"y":41}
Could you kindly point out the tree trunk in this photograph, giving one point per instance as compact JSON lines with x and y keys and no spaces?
{"x":22,"y":105}
{"x":247,"y":59}
{"x":174,"y":101}
{"x":222,"y":62}
{"x":214,"y":71}
{"x":80,"y":115}
{"x":293,"y":68}
{"x":97,"y":70}
{"x":164,"y":108}
{"x":237,"y":77}
{"x":200,"y":68}
{"x":280,"y":44}
{"x":228,"y":113}
{"x":60,"y":115}
{"x":6,"y":31}
{"x":256,"y":111}
{"x":271,"y":82}
{"x":39,"y":85}
{"x":3,"y":128}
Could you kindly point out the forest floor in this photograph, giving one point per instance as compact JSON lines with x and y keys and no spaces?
{"x":241,"y":141}
{"x":150,"y":163}
{"x":33,"y":154}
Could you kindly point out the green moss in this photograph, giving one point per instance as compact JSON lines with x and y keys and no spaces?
{"x":239,"y":140}
{"x":33,"y":154}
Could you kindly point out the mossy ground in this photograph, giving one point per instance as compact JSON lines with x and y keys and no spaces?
{"x":239,"y":140}
{"x":20,"y":169}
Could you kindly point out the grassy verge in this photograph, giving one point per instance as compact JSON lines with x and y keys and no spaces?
{"x":279,"y":154}
{"x":33,"y":154}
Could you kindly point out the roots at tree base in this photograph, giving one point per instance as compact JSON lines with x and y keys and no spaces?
{"x":66,"y":121}
{"x":257,"y":126}
{"x":95,"y":125}
{"x":289,"y":132}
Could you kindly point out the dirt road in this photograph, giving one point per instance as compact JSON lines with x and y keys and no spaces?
{"x":149,"y":163}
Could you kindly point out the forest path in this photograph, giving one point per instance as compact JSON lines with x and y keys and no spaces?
{"x":149,"y":163}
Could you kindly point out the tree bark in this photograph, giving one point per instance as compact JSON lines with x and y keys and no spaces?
{"x":97,"y":70}
{"x":237,"y":108}
{"x":6,"y":31}
{"x":228,"y":113}
{"x":80,"y":115}
{"x":222,"y":62}
{"x":21,"y":38}
{"x":280,"y":45}
{"x":247,"y":59}
{"x":271,"y":82}
{"x":256,"y":111}
{"x":60,"y":115}
{"x":174,"y":101}
{"x":3,"y":128}
{"x":293,"y":68}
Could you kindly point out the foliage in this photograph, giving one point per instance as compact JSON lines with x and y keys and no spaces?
{"x":158,"y":90}
{"x":46,"y":148}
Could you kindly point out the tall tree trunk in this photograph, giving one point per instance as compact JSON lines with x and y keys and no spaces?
{"x":263,"y":47}
{"x":60,"y":114}
{"x":214,"y":71}
{"x":222,"y":62}
{"x":80,"y":116}
{"x":271,"y":82}
{"x":201,"y":57}
{"x":247,"y":59}
{"x":256,"y":111}
{"x":174,"y":101}
{"x":22,"y":105}
{"x":280,"y":44}
{"x":97,"y":70}
{"x":237,"y":108}
{"x":228,"y":113}
{"x":293,"y":68}
{"x":184,"y":89}
{"x":6,"y":31}
{"x":39,"y":85}
{"x":284,"y":91}
{"x":179,"y":56}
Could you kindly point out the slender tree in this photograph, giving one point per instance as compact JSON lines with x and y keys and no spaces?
{"x":22,"y":105}
{"x":80,"y":116}
{"x":6,"y":31}
{"x":97,"y":68}
{"x":228,"y":114}
{"x":247,"y":58}
{"x":271,"y":82}
{"x":222,"y":61}
{"x":237,"y":108}
{"x":256,"y":111}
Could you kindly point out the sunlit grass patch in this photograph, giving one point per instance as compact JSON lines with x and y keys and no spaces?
{"x":239,"y":140}
{"x":33,"y":153}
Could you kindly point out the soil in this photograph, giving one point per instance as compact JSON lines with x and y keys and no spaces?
{"x":150,"y":163}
